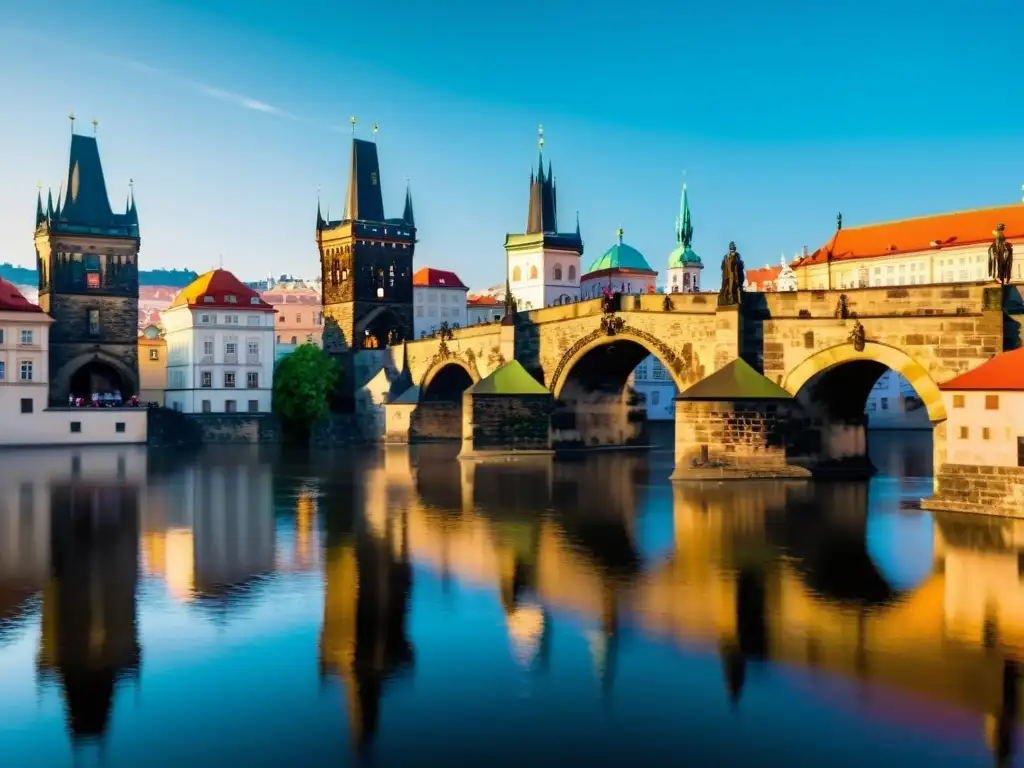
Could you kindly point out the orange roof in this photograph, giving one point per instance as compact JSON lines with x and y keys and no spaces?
{"x":763,"y":275}
{"x":219,"y":289}
{"x":944,"y":230}
{"x":437,"y":278}
{"x":1003,"y":372}
{"x":483,"y":301}
{"x":11,"y":299}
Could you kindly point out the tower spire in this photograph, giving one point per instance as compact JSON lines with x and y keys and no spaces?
{"x":40,"y":215}
{"x":407,"y":214}
{"x":684,"y":227}
{"x":319,"y":217}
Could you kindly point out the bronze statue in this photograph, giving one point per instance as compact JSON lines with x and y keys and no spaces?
{"x":1000,"y":257}
{"x":732,"y":278}
{"x":857,"y":336}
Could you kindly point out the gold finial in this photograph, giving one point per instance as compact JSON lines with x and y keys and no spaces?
{"x":95,"y":125}
{"x":620,"y":233}
{"x":131,"y":184}
{"x":71,"y":117}
{"x":39,"y":186}
{"x":540,"y":136}
{"x":353,"y":121}
{"x":375,"y":129}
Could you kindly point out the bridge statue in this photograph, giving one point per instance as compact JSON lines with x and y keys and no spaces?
{"x":1000,"y":257}
{"x":732,"y":278}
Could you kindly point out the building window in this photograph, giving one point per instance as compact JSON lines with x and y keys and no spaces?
{"x":26,"y":405}
{"x":76,"y":426}
{"x":298,"y":318}
{"x":657,"y":370}
{"x":207,"y":407}
{"x":254,"y":406}
{"x":884,"y":401}
{"x":3,"y":370}
{"x":533,"y":272}
{"x":309,"y":338}
{"x":119,"y":426}
{"x":231,"y":319}
{"x":1020,"y":451}
{"x":208,"y":299}
{"x":958,"y":401}
{"x":253,"y":347}
{"x":206,"y":379}
{"x":26,"y":336}
{"x":1,"y":335}
{"x":208,"y":348}
{"x":254,"y":300}
{"x":252,"y":320}
{"x":991,"y":402}
{"x":964,"y":433}
{"x":517,"y":274}
{"x":279,"y":339}
{"x":229,"y":406}
{"x":26,"y":370}
{"x":558,"y":271}
{"x":94,"y":322}
{"x":154,"y":354}
{"x":230,"y":348}
{"x":204,"y":319}
{"x":572,"y":273}
{"x":229,"y":379}
{"x":252,"y":380}
{"x":295,"y":340}
{"x":655,"y":397}
{"x":231,"y":299}
{"x":985,"y":434}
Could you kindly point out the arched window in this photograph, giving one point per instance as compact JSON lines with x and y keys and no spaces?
{"x":572,"y":272}
{"x":517,"y":274}
{"x":533,"y":273}
{"x":558,"y":272}
{"x":675,"y":279}
{"x":686,"y":281}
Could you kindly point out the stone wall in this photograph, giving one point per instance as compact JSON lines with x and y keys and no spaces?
{"x":752,"y":439}
{"x":341,"y":429}
{"x":168,"y":428}
{"x":505,"y":423}
{"x":983,"y":490}
{"x":423,"y":422}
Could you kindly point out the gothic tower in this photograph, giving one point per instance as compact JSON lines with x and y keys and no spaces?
{"x":543,"y":264}
{"x":87,"y":258}
{"x":366,"y":263}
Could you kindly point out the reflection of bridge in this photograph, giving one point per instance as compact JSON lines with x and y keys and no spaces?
{"x":781,"y":572}
{"x":808,"y":342}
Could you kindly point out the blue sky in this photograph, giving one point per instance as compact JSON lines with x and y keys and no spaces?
{"x":229,"y":115}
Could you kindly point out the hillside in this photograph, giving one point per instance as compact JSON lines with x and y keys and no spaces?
{"x":173,"y":278}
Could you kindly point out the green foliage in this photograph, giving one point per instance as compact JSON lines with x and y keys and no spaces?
{"x":303,"y":384}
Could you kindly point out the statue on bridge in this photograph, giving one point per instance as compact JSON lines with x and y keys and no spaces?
{"x":732,"y":278}
{"x":1000,"y":257}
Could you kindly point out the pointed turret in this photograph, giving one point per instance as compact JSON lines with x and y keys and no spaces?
{"x":86,"y":202}
{"x":49,"y":204}
{"x":407,"y":214}
{"x":684,"y":228}
{"x":365,"y":202}
{"x":40,"y":215}
{"x":132,"y":214}
{"x":319,"y":216}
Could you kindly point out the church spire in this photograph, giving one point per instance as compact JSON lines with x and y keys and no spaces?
{"x":365,"y":201}
{"x":86,"y":202}
{"x":407,"y":214}
{"x":40,"y":215}
{"x":49,"y":204}
{"x":541,"y":216}
{"x":132,"y":213}
{"x":684,"y":227}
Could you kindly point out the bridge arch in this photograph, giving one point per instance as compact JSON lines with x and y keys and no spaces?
{"x":447,"y":380}
{"x":827,"y":361}
{"x":631,"y":344}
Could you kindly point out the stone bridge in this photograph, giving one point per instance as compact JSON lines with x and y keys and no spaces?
{"x":806,"y":342}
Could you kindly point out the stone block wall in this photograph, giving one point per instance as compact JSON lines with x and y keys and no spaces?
{"x":228,"y":428}
{"x":506,"y":423}
{"x":742,"y":439}
{"x":422,"y":422}
{"x":982,"y":490}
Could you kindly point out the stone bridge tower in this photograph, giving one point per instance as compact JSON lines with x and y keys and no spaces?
{"x":366,"y":263}
{"x":87,"y":259}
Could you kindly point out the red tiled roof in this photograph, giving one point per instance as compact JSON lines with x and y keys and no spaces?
{"x":437,"y":278}
{"x":215,"y":289}
{"x":1003,"y":372}
{"x":943,"y":230}
{"x":482,"y":301}
{"x":763,"y":275}
{"x":11,"y":299}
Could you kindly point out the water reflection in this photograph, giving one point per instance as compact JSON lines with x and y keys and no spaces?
{"x":419,"y":590}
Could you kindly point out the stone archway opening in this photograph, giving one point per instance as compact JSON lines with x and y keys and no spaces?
{"x":599,"y":402}
{"x":447,"y":385}
{"x":439,"y":413}
{"x":100,"y":378}
{"x":860,"y":404}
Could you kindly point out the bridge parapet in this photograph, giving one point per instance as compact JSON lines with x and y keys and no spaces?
{"x":891,"y":301}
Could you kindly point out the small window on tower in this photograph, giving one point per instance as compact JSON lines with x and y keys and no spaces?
{"x":208,"y":299}
{"x":94,"y":322}
{"x":231,"y":299}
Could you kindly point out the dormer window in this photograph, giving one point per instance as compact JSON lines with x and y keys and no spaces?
{"x":254,"y":300}
{"x":208,"y":299}
{"x":231,"y":299}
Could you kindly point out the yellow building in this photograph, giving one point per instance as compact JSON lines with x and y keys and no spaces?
{"x":152,"y":365}
{"x":944,"y":248}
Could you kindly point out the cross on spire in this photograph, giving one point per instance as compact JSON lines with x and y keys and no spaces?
{"x":95,"y":125}
{"x":375,"y":129}
{"x":71,"y":117}
{"x":353,"y":121}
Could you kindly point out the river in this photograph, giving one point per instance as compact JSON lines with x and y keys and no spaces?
{"x":394,"y":606}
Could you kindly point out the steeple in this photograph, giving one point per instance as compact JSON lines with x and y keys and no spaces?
{"x":86,"y":202}
{"x":319,"y":216}
{"x":40,"y":215}
{"x":541,"y":215}
{"x":49,"y":204}
{"x":684,"y":228}
{"x":132,"y":213}
{"x":407,"y":215}
{"x":365,"y":202}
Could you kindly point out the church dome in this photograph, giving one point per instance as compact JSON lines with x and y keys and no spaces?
{"x":620,"y":256}
{"x":683,"y":257}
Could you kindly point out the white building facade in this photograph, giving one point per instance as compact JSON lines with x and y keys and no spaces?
{"x":220,"y":347}
{"x":438,"y":297}
{"x":483,"y":309}
{"x":24,"y":356}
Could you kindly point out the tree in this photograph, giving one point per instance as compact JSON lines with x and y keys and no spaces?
{"x":303,"y":383}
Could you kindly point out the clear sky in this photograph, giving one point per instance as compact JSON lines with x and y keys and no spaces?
{"x":230,"y":114}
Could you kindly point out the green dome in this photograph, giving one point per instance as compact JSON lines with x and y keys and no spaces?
{"x":621,"y":256}
{"x":683,"y":257}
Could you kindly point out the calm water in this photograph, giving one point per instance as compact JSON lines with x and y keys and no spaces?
{"x":400,"y":608}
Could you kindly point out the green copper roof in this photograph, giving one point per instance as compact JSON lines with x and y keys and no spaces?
{"x":683,"y":257}
{"x":736,"y":381}
{"x":510,"y":379}
{"x":620,"y":256}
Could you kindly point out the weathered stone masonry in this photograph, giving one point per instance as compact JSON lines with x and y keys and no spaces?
{"x":990,"y":490}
